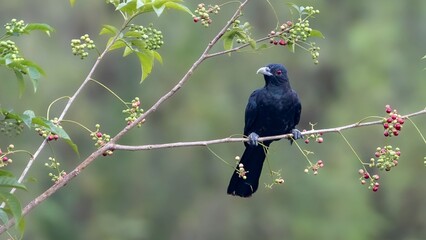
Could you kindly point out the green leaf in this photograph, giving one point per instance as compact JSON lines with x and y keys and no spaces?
{"x":120,"y":43}
{"x":159,"y":10}
{"x":39,"y":27}
{"x":3,"y":216}
{"x":13,"y":204}
{"x":10,"y":182}
{"x":139,"y":4}
{"x":252,"y":43}
{"x":21,"y":82}
{"x":262,"y":46}
{"x":179,"y":7}
{"x":316,"y":33}
{"x":27,"y":117}
{"x":72,"y":2}
{"x":5,"y":173}
{"x":10,"y":115}
{"x":127,"y":51}
{"x":158,"y":57}
{"x":146,"y":59}
{"x":228,"y":39}
{"x":424,"y":57}
{"x":57,"y":130}
{"x":108,"y":29}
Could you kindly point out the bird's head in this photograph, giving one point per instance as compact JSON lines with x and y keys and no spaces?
{"x":274,"y":74}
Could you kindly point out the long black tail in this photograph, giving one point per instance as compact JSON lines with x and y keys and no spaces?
{"x":245,"y":183}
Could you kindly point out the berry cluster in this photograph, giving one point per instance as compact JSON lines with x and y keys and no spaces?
{"x":315,"y":167}
{"x":393,"y":123}
{"x":9,"y":127}
{"x":295,"y":33}
{"x":53,"y":164}
{"x":374,"y":185}
{"x":80,"y":46}
{"x":151,"y":36}
{"x":9,"y":50}
{"x":4,"y":159}
{"x":134,"y":112}
{"x":46,"y":133}
{"x":387,"y":158}
{"x":15,"y":27}
{"x":242,"y":173}
{"x":101,"y":139}
{"x":317,"y":137}
{"x":203,"y":13}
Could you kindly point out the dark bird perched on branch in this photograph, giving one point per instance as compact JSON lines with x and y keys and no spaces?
{"x":271,"y":110}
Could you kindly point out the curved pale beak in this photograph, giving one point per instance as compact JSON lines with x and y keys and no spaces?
{"x":265,"y":71}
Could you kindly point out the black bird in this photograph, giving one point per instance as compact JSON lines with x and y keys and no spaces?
{"x":272,"y":110}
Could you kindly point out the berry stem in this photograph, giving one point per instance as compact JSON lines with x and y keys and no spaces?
{"x":51,"y":104}
{"x":109,"y":90}
{"x":303,"y":152}
{"x":418,"y":130}
{"x":353,"y":150}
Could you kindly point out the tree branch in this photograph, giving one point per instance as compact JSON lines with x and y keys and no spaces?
{"x":233,"y":139}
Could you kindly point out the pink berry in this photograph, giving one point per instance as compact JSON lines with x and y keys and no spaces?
{"x":400,"y":121}
{"x":361,"y":171}
{"x":394,"y":116}
{"x":398,"y":126}
{"x":282,"y":42}
{"x":386,"y":133}
{"x":306,"y":141}
{"x":366,"y":176}
{"x":388,"y":110}
{"x":99,"y":134}
{"x":377,"y":154}
{"x":395,"y":133}
{"x":320,"y":140}
{"x":275,"y":42}
{"x":5,"y":159}
{"x":196,"y":19}
{"x":376,"y":177}
{"x":375,"y":188}
{"x":389,"y":120}
{"x":386,"y":125}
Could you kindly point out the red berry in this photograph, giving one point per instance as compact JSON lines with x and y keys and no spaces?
{"x":377,"y":154}
{"x":375,"y":188}
{"x":306,"y":141}
{"x":282,"y":42}
{"x":56,"y":137}
{"x":196,"y":19}
{"x":386,"y":133}
{"x":50,"y":138}
{"x":395,"y":133}
{"x":394,"y":116}
{"x":388,"y":110}
{"x":5,"y":159}
{"x":366,"y":176}
{"x":386,"y":125}
{"x":99,"y":134}
{"x":400,"y":121}
{"x":275,"y":42}
{"x":389,"y":120}
{"x":398,"y":126}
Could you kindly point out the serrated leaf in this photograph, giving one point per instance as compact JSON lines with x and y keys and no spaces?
{"x":13,"y":205}
{"x":120,"y":43}
{"x":127,"y":51}
{"x":5,"y":173}
{"x":262,"y":46}
{"x":57,"y":130}
{"x":228,"y":39}
{"x":27,"y":117}
{"x":179,"y":7}
{"x":10,"y":182}
{"x":316,"y":33}
{"x":159,"y":10}
{"x":3,"y":216}
{"x":146,"y":60}
{"x":108,"y":29}
{"x":252,"y":43}
{"x":39,"y":27}
{"x":21,"y":82}
{"x":158,"y":57}
{"x":139,"y":4}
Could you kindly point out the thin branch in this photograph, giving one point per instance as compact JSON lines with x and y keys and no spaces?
{"x":234,"y":139}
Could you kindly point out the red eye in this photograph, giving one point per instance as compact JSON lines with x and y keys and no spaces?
{"x":279,"y":72}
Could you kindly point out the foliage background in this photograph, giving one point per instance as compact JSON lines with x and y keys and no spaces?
{"x":371,"y":58}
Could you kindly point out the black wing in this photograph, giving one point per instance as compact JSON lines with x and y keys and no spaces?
{"x":251,"y":113}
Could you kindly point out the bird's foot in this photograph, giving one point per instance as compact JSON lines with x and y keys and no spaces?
{"x":296,"y":134}
{"x":252,"y":139}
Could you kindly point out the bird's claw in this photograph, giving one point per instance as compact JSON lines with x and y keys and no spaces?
{"x":296,"y":134}
{"x":252,"y":139}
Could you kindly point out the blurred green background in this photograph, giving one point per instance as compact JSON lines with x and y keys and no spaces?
{"x":370,"y":58}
